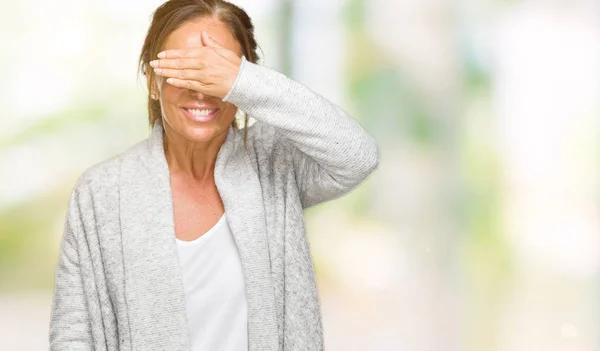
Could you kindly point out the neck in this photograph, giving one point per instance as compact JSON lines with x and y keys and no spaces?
{"x":192,"y":159}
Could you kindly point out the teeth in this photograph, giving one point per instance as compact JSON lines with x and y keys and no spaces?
{"x":200,"y":113}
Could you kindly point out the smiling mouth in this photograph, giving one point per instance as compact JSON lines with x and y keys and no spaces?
{"x":200,"y":114}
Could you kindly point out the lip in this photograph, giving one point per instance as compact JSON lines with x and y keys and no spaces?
{"x":201,"y":107}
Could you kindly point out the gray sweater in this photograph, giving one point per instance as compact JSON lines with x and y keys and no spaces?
{"x":118,"y":281}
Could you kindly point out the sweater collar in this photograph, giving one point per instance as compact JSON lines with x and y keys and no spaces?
{"x":154,"y":291}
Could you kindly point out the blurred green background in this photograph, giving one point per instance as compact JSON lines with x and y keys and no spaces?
{"x":479,"y":231}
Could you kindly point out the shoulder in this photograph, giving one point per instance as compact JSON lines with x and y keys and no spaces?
{"x":104,"y":175}
{"x":266,"y":139}
{"x":269,"y":151}
{"x":260,"y":132}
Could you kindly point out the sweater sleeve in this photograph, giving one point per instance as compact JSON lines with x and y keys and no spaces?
{"x":69,"y":320}
{"x":330,"y":151}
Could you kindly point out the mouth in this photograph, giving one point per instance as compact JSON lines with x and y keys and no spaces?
{"x":201,"y":113}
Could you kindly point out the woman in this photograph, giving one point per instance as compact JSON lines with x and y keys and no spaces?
{"x":194,"y":238}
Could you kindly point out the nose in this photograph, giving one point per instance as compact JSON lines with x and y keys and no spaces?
{"x":198,"y":95}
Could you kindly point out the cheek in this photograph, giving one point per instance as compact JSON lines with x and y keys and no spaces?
{"x":229,"y":110}
{"x":171,"y":94}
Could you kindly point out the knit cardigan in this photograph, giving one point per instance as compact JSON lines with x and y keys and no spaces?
{"x":118,"y":283}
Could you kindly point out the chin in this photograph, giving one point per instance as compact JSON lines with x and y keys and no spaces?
{"x":203,"y":132}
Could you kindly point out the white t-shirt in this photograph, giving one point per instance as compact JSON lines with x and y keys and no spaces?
{"x":214,"y":289}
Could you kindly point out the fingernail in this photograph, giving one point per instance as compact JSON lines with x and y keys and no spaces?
{"x":161,"y":54}
{"x":158,"y":70}
{"x":154,"y":63}
{"x":170,"y":80}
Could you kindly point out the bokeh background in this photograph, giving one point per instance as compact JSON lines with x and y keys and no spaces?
{"x":479,"y":231}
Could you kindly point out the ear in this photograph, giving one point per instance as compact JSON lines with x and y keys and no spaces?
{"x":152,"y":88}
{"x":147,"y":75}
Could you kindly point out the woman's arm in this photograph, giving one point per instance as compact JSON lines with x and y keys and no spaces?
{"x":69,"y":320}
{"x":331,"y":152}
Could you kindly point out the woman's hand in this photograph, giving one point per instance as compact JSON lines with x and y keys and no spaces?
{"x":210,"y":69}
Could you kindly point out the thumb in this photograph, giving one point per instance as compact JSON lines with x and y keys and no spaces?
{"x":208,"y":41}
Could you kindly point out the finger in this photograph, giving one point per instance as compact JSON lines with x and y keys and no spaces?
{"x":177,"y":53}
{"x":222,"y":51}
{"x":189,"y":74}
{"x":188,"y":84}
{"x":178,"y":63}
{"x":209,"y":41}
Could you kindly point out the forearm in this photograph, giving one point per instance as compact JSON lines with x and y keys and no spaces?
{"x":317,"y":127}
